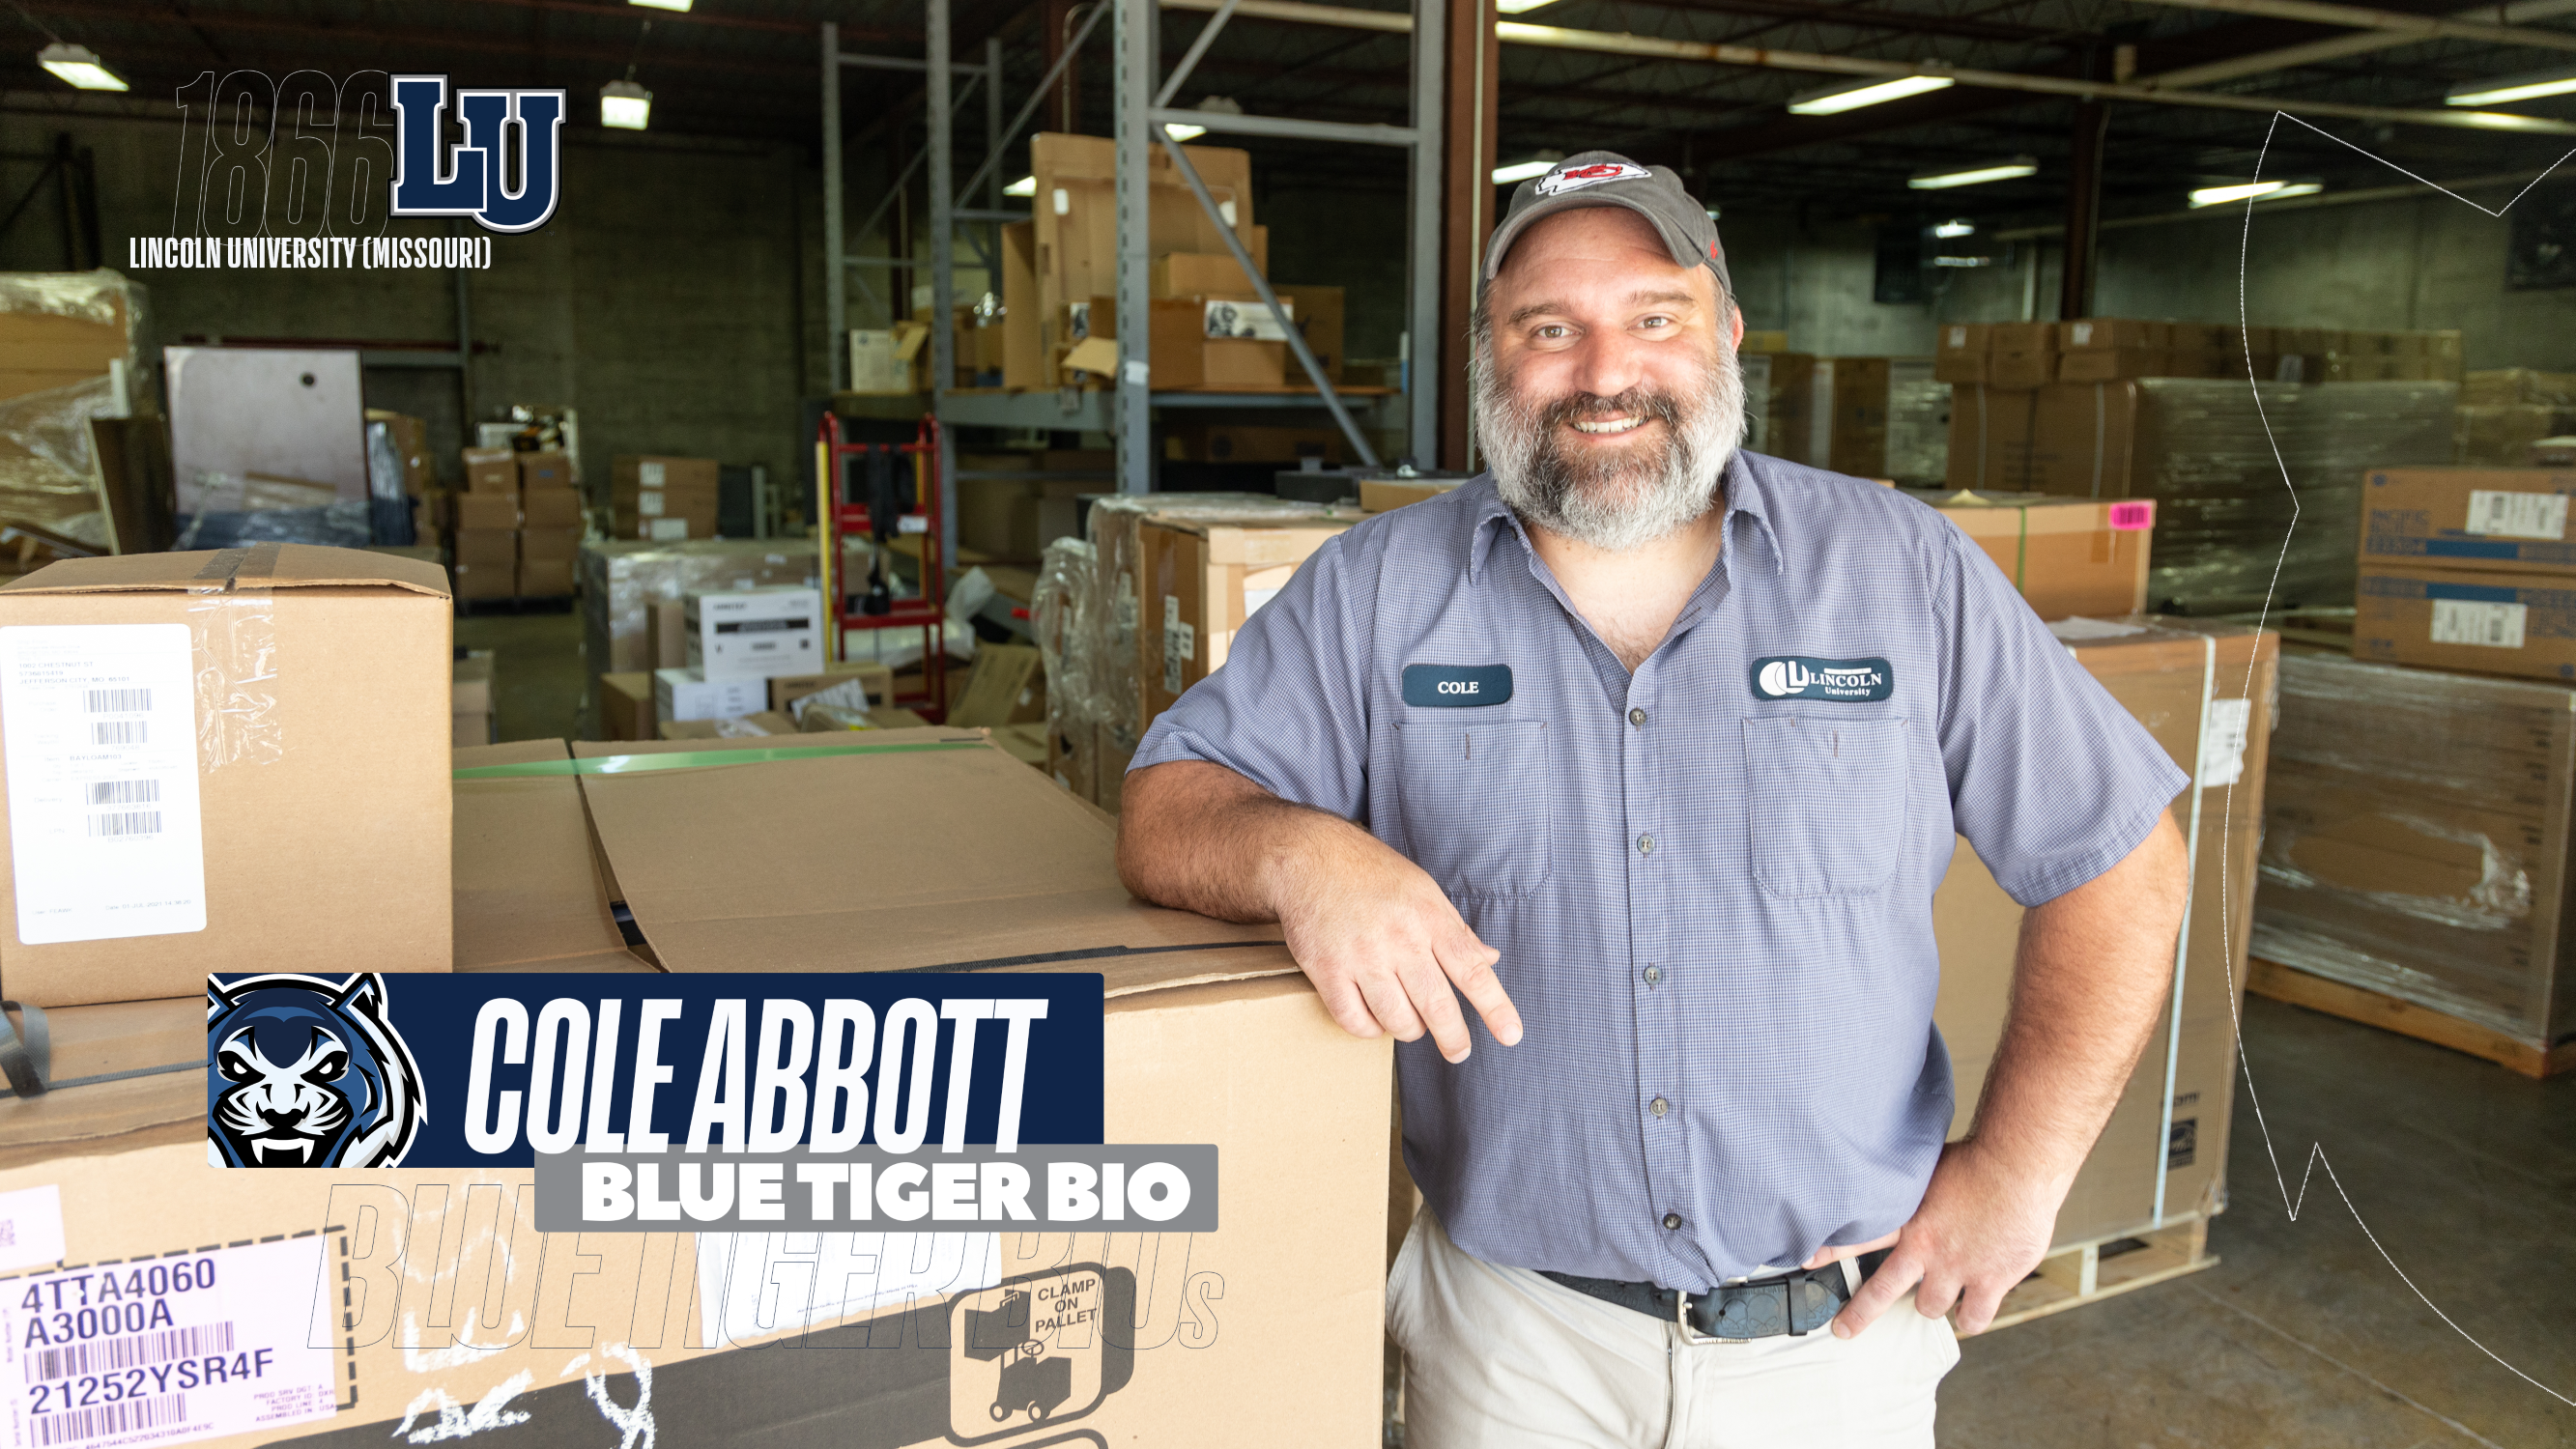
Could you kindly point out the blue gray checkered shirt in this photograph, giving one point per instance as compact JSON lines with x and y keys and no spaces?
{"x":1711,"y":883}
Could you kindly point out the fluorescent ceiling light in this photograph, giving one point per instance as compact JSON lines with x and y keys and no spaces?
{"x":1536,"y":165}
{"x":1025,"y":186}
{"x":1852,"y":95}
{"x":1963,"y":261}
{"x":1176,"y":131}
{"x":80,"y":66}
{"x":1974,"y":173}
{"x":2255,"y":190}
{"x":662,"y":4}
{"x":625,"y":106}
{"x":1515,"y":7}
{"x":1948,"y":229}
{"x":2512,"y":88}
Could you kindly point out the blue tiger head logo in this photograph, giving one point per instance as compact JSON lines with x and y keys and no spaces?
{"x":302,"y":1071}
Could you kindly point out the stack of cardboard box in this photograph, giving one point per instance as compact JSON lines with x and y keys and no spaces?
{"x":1208,"y":328}
{"x":664,"y":500}
{"x":1826,"y":412}
{"x":733,"y":642}
{"x":2469,"y":568}
{"x":2109,"y":349}
{"x":2505,"y":411}
{"x":516,"y":527}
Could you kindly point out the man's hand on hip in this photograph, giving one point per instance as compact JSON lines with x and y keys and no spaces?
{"x":1374,"y":933}
{"x":1980,"y":1229}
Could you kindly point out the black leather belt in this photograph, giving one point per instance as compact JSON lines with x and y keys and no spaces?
{"x":1791,"y":1303}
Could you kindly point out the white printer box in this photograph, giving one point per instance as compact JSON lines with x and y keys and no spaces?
{"x":754,"y":633}
{"x":683,"y":694}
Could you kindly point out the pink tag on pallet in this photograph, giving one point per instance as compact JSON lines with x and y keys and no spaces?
{"x":2131,"y":517}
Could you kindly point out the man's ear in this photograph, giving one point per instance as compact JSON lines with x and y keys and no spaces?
{"x":1737,"y":341}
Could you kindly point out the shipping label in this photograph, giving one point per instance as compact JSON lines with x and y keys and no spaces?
{"x":101,"y":746}
{"x":2222,"y":746}
{"x":2501,"y":514}
{"x":2469,"y":621}
{"x":164,"y":1350}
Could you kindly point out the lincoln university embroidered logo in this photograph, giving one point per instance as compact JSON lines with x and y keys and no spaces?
{"x":505,"y":175}
{"x":302,"y":1071}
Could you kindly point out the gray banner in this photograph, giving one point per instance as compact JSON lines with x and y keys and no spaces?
{"x":1118,"y":1188}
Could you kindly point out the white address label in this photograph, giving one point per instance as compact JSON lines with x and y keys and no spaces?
{"x":164,"y":1350}
{"x":100,"y":723}
{"x":2222,"y":750}
{"x":2466,"y":621}
{"x":2498,"y":514}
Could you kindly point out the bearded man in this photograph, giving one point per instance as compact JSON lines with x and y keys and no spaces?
{"x":1655,"y":750}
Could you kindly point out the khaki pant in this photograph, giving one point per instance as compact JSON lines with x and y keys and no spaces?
{"x":1499,"y":1358}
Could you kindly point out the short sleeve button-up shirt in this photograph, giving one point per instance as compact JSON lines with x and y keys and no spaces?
{"x":1710,"y":881}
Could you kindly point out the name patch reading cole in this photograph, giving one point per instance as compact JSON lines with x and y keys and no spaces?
{"x":1796,"y":676}
{"x":1456,"y":686}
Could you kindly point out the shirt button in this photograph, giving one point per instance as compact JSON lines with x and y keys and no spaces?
{"x":1645,"y":845}
{"x":1636,"y":716}
{"x":1654,"y":974}
{"x":1672,"y":1220}
{"x":1658,"y":1106}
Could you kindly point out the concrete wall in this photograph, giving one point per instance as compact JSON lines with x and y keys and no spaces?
{"x":674,"y":299}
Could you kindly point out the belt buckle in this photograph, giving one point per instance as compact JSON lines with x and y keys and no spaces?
{"x":1690,"y":1335}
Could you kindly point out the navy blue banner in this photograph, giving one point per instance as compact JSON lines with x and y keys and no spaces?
{"x":378,"y":1070}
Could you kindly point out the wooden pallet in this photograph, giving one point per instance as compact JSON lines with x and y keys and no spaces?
{"x":2355,"y":1003}
{"x":2091,"y":1272}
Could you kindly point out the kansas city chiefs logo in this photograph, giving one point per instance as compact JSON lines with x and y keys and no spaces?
{"x":1578,"y":176}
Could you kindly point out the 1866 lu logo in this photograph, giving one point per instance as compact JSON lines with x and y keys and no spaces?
{"x":432,"y":179}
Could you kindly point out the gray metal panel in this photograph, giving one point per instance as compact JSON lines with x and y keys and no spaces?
{"x":1422,"y":375}
{"x":290,"y":414}
{"x":1134,"y":91}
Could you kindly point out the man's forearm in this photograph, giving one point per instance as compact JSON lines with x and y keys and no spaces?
{"x":2089,"y":977}
{"x":1199,"y":837}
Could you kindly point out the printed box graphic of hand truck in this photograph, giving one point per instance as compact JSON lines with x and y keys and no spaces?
{"x":1033,"y":1381}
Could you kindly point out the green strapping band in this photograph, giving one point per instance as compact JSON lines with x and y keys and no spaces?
{"x":694,"y":759}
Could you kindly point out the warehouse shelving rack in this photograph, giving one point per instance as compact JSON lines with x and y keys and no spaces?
{"x":1126,"y":409}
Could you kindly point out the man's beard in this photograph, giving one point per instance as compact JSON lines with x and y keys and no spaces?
{"x":1615,"y":502}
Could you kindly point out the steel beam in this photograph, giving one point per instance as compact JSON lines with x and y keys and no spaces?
{"x":836,"y":290}
{"x":1132,"y":91}
{"x":943,"y":261}
{"x":1289,"y":128}
{"x":1472,"y":63}
{"x":1425,"y":381}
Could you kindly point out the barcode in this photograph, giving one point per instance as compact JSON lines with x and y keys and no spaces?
{"x":120,"y":732}
{"x":124,"y":792}
{"x":125,"y":822}
{"x":108,"y":1419}
{"x":115,"y":1355}
{"x":119,"y":701}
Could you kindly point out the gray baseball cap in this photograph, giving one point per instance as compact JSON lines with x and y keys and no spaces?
{"x":1605,"y":178}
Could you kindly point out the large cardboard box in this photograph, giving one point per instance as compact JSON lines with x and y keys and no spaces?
{"x":541,"y":577}
{"x":491,"y":470}
{"x":1076,"y":213}
{"x":486,"y":513}
{"x":410,"y":438}
{"x":544,"y":470}
{"x":2065,"y":555}
{"x":551,"y":508}
{"x":486,"y":580}
{"x":530,"y":895}
{"x":786,"y":689}
{"x":1200,"y":274}
{"x":1006,"y":688}
{"x":1024,"y":339}
{"x":1197,"y":584}
{"x":664,"y":500}
{"x":1851,"y":409}
{"x":469,"y":700}
{"x":626,"y":705}
{"x":1959,"y":352}
{"x":222,"y":761}
{"x":498,"y":547}
{"x":2204,"y":692}
{"x":2502,"y":520}
{"x":442,"y":1300}
{"x":2416,"y":841}
{"x":2448,"y":618}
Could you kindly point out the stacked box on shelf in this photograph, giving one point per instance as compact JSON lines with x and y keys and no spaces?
{"x":622,"y":582}
{"x":664,"y":500}
{"x":2415,"y":850}
{"x":2211,"y":454}
{"x":550,"y":525}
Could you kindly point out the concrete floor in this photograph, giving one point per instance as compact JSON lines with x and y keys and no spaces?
{"x":2302,"y":1337}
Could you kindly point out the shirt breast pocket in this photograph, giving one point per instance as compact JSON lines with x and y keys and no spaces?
{"x":1476,"y":803}
{"x":1826,"y":800}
